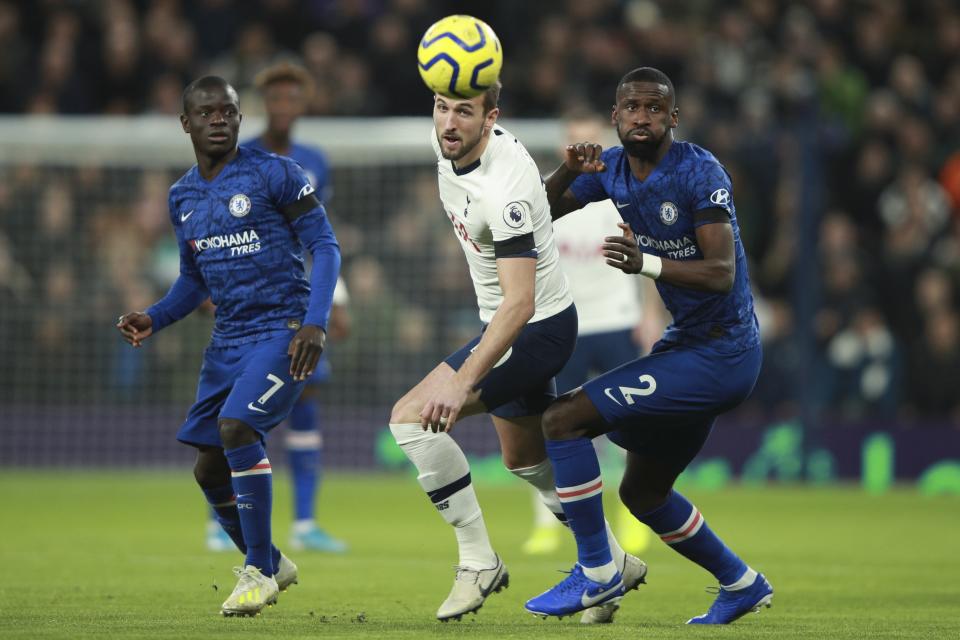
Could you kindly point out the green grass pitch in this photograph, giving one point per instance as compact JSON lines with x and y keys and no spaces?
{"x":120,"y":555}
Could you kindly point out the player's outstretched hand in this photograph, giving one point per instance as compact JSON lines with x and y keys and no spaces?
{"x":135,"y":327}
{"x":622,"y":252}
{"x":584,"y":157}
{"x":305,"y":349}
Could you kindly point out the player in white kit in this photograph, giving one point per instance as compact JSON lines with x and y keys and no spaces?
{"x":492,"y":193}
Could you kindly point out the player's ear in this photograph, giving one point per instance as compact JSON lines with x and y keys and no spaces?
{"x":613,"y":115}
{"x":185,"y":123}
{"x":675,"y":118}
{"x":492,"y":118}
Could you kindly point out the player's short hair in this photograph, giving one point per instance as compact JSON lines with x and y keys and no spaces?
{"x":205,"y":82}
{"x":491,"y":97}
{"x":648,"y":74}
{"x":284,"y":72}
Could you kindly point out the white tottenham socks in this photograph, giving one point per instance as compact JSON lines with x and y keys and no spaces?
{"x":445,"y":476}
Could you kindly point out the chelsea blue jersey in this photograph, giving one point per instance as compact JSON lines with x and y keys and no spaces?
{"x":313,"y":161}
{"x":237,"y":245}
{"x":660,"y":211}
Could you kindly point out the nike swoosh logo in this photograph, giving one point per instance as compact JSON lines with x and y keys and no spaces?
{"x":588,"y":601}
{"x":184,"y":216}
{"x":253,"y":408}
{"x":621,"y":205}
{"x":610,"y":395}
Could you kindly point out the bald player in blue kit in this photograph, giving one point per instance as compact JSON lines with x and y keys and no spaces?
{"x":240,"y":216}
{"x":681,"y":231}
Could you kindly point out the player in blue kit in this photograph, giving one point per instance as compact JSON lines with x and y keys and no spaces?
{"x":682,"y":232}
{"x":286,"y":90}
{"x":240,"y":216}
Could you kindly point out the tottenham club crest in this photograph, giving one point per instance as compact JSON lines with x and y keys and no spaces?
{"x":513,"y":215}
{"x":239,"y":205}
{"x":668,"y":212}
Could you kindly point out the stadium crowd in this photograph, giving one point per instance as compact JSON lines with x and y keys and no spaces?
{"x":851,"y":109}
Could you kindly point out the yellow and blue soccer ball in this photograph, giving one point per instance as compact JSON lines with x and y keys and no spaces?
{"x":459,"y":57}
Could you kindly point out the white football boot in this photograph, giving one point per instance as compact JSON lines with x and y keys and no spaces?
{"x":634,"y":574}
{"x":253,"y":592}
{"x":286,"y":573}
{"x":470,"y":588}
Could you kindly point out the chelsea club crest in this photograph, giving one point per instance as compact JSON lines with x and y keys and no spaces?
{"x":668,"y":212}
{"x":239,"y":205}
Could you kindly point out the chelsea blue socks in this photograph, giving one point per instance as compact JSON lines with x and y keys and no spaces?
{"x":253,"y":486}
{"x":223,"y":504}
{"x":580,"y":490}
{"x":681,"y":525}
{"x":303,"y":450}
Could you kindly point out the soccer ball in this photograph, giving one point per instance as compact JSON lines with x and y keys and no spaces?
{"x":459,"y":57}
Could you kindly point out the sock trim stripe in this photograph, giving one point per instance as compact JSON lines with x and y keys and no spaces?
{"x":303,"y":440}
{"x":580,"y":491}
{"x":687,"y":531}
{"x":259,"y":469}
{"x":232,"y":502}
{"x":444,"y":492}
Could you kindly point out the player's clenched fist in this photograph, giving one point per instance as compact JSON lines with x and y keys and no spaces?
{"x":135,"y":327}
{"x":584,"y":157}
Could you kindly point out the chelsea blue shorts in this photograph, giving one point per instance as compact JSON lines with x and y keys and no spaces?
{"x":522,"y":382}
{"x":664,"y":405}
{"x":250,"y":382}
{"x":596,"y":353}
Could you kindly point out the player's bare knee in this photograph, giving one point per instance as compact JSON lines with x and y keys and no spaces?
{"x":558,"y":425}
{"x":211,"y":469}
{"x":236,"y":433}
{"x":641,"y":500}
{"x":404,"y":411}
{"x":514,"y":460}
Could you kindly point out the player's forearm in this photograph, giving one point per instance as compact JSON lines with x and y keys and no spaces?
{"x":323,"y":282}
{"x":713,"y":275}
{"x":507,"y":322}
{"x":556,"y":185}
{"x":185,"y":294}
{"x":317,"y":236}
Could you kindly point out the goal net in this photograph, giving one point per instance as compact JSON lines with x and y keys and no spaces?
{"x":85,"y":236}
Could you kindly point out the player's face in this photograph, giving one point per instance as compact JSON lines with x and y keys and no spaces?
{"x":213,"y":120}
{"x":460,"y":126}
{"x":644,"y":117}
{"x":284,"y":102}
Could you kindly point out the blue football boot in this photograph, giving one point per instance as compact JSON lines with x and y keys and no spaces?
{"x":316,"y":539}
{"x":575,"y":593}
{"x":732,"y":605}
{"x":217,"y":538}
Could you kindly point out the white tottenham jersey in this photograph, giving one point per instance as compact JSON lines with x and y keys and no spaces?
{"x":607,"y":299}
{"x":498,"y":207}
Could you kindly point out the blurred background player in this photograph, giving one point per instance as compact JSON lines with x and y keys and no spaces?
{"x":242,"y":219}
{"x":287,"y":89}
{"x":611,"y":331}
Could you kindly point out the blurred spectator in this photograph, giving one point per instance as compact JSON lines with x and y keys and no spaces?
{"x":846,"y":110}
{"x":935,"y":367}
